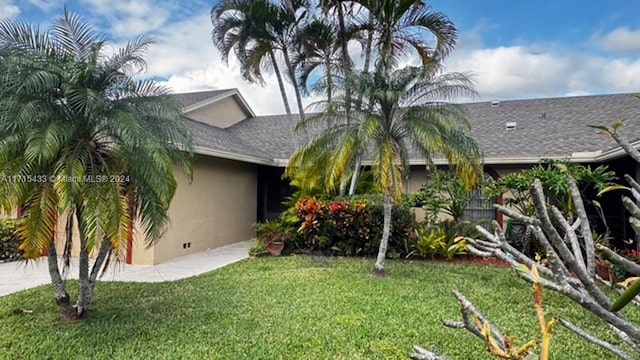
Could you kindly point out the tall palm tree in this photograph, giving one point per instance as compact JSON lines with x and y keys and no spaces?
{"x":292,"y":15}
{"x":404,"y":26}
{"x":240,"y":26}
{"x":396,"y":28}
{"x":85,"y":143}
{"x":407,"y":109}
{"x":319,"y":51}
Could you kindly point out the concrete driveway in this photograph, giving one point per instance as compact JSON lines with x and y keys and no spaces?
{"x":17,"y":276}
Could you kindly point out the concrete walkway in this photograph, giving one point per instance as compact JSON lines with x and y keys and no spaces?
{"x":18,"y":276}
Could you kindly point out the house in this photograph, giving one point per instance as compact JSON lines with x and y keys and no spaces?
{"x":240,"y":158}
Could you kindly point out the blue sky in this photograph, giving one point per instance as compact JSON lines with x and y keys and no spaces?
{"x":513,"y":49}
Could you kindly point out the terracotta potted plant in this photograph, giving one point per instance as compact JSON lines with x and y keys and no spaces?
{"x":603,"y":270}
{"x":275,"y":246}
{"x":273,"y":235}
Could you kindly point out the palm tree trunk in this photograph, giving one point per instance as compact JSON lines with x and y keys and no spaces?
{"x":378,"y":270}
{"x":343,"y":186}
{"x":329,"y":78}
{"x":283,"y":93}
{"x":292,"y":77}
{"x":82,"y":303}
{"x":62,"y":296}
{"x":367,"y":62}
{"x":343,"y":37}
{"x":369,"y":44}
{"x":88,"y":280}
{"x":356,"y":175}
{"x":103,"y":255}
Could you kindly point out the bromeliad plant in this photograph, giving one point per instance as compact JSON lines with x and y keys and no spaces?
{"x":435,"y":242}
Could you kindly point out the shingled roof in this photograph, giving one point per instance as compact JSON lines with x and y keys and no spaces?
{"x":545,"y":128}
{"x":192,"y":98}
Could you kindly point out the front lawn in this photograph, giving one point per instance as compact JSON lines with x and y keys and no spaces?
{"x":288,"y":308}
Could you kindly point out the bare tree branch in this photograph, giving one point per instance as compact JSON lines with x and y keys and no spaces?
{"x":595,"y":340}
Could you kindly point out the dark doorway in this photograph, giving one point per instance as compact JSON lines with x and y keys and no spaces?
{"x":273,"y":190}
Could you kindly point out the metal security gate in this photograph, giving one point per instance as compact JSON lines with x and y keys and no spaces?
{"x":479,"y":209}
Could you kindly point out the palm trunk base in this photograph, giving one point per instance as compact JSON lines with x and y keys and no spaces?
{"x":63,"y":299}
{"x":379,"y":273}
{"x":74,"y":313}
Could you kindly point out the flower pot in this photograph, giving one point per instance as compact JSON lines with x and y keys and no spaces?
{"x":275,"y":248}
{"x":603,"y":271}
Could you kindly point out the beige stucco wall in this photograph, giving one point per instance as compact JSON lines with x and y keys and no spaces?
{"x":218,"y":208}
{"x":222,"y":113}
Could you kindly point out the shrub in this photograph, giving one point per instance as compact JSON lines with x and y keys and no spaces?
{"x":273,"y":231}
{"x":9,"y":241}
{"x":351,"y":226}
{"x":442,"y":241}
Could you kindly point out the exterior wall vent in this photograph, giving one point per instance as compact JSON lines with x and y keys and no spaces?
{"x":511,"y":125}
{"x":495,"y":103}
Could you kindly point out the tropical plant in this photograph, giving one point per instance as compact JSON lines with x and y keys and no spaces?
{"x":444,"y":193}
{"x":408,"y":107}
{"x":435,"y":242}
{"x":256,"y":31}
{"x":9,"y":240}
{"x":398,"y":28}
{"x":83,"y":142}
{"x":319,"y":51}
{"x":351,"y":226}
{"x":239,"y":27}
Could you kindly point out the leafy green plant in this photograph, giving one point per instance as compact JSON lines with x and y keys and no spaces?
{"x":442,"y":193}
{"x":553,"y":176}
{"x":443,"y":241}
{"x":260,"y":248}
{"x":429,"y":242}
{"x":272,"y":231}
{"x":9,"y":240}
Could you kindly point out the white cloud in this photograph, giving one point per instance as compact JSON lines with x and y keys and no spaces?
{"x":8,"y":9}
{"x":529,"y":72}
{"x":46,"y":5}
{"x":130,"y":18}
{"x":621,"y":39}
{"x":187,"y":58}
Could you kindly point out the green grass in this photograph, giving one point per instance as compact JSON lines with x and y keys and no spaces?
{"x":289,"y":308}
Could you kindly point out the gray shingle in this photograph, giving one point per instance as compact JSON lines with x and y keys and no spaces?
{"x":192,"y":98}
{"x":215,"y":138}
{"x":545,"y":127}
{"x":553,"y":126}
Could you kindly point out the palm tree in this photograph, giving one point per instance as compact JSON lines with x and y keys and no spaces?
{"x":319,"y":51}
{"x":407,"y":108}
{"x":240,"y":26}
{"x":403,"y":26}
{"x":292,"y":16}
{"x":395,"y":28}
{"x":85,"y":143}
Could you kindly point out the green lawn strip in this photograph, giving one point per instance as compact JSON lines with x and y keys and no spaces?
{"x":290,"y":308}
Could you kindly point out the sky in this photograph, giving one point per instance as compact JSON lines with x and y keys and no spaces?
{"x":511,"y":49}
